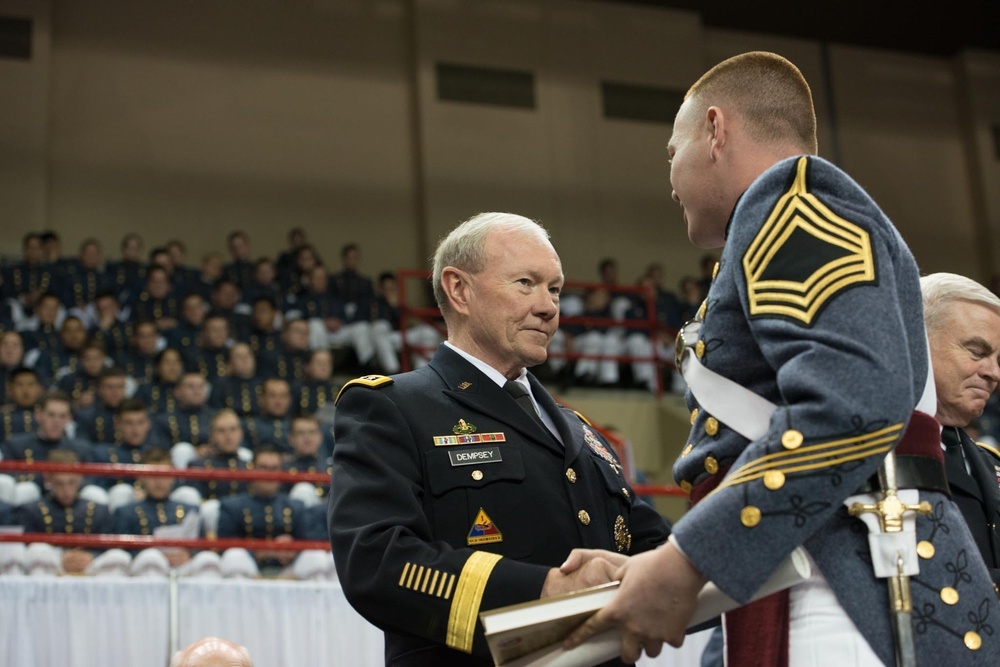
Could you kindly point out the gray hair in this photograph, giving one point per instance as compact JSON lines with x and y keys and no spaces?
{"x":941,"y":290}
{"x":465,"y":246}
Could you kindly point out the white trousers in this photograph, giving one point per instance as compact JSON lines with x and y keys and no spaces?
{"x":820,"y":633}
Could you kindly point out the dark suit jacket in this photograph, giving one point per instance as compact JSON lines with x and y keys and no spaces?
{"x":423,"y":542}
{"x":978,"y":497}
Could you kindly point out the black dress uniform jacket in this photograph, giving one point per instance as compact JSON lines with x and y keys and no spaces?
{"x":423,"y":542}
{"x":977,"y":495}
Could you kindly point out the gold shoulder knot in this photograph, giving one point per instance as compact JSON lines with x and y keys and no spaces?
{"x":370,"y":381}
{"x":990,"y":448}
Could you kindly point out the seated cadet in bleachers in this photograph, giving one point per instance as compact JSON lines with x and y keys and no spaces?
{"x":265,"y":340}
{"x":129,"y":273}
{"x":82,"y":385}
{"x":109,"y":327}
{"x":60,"y":360}
{"x":264,"y":283}
{"x":41,"y":331}
{"x":308,"y":455}
{"x":286,"y":259}
{"x":158,"y":395}
{"x":157,"y":302}
{"x":240,"y":268}
{"x":191,"y":319}
{"x":354,"y":289}
{"x":62,"y":511}
{"x":96,"y":423}
{"x":331,"y":323}
{"x":189,"y":420}
{"x":239,"y":388}
{"x":52,"y":416}
{"x":386,"y":333}
{"x":11,"y":357}
{"x":23,"y":392}
{"x":59,"y":266}
{"x":139,"y":361}
{"x":155,"y":508}
{"x":207,"y":275}
{"x":184,"y":277}
{"x":225,"y":439}
{"x":134,"y":437}
{"x":27,"y":280}
{"x":211,"y":356}
{"x":226,"y":300}
{"x":293,"y":354}
{"x":317,"y":391}
{"x":88,"y":279}
{"x":264,"y":512}
{"x":272,"y":425}
{"x":293,"y":281}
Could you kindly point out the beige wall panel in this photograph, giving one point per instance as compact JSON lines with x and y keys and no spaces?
{"x":24,"y":126}
{"x":900,"y":138}
{"x":600,"y":186}
{"x":188,"y":120}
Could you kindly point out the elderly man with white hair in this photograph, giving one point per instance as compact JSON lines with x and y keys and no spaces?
{"x":212,"y":652}
{"x":963,"y":327}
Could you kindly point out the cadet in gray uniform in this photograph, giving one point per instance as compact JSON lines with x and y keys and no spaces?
{"x":814,"y":315}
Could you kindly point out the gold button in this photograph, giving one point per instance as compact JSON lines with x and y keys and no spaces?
{"x":925,"y":549}
{"x":702,"y":310}
{"x":711,"y":426}
{"x":686,"y":486}
{"x":694,"y":416}
{"x":699,"y":349}
{"x":791,"y":439}
{"x":973,"y":641}
{"x":687,"y":450}
{"x":583,"y":517}
{"x":715,"y":271}
{"x":571,"y":475}
{"x":625,"y":492}
{"x":949,"y":595}
{"x":711,"y":465}
{"x":774,"y":479}
{"x":750,"y":516}
{"x":477,"y":475}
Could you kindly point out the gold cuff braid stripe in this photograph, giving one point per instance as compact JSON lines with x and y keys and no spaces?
{"x":468,"y":595}
{"x":814,"y":457}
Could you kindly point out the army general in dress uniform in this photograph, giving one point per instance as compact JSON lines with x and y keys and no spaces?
{"x":463,"y":486}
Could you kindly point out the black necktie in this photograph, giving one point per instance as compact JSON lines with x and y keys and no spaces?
{"x":954,"y":459}
{"x":523,"y":398}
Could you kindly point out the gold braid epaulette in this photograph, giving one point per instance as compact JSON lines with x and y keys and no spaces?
{"x":370,"y":381}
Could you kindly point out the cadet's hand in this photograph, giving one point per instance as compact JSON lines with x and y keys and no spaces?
{"x":595,"y":571}
{"x":658,"y":595}
{"x":75,"y":561}
{"x":177,"y":557}
{"x":579,"y":557}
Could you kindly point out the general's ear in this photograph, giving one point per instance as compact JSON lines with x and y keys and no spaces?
{"x":455,"y":284}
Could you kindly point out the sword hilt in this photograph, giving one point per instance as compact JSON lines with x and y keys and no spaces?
{"x":890,"y":510}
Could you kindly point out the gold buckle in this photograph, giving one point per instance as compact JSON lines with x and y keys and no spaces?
{"x":687,"y":337}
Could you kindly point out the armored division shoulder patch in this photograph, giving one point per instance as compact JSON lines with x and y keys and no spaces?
{"x":804,"y":255}
{"x":370,"y":381}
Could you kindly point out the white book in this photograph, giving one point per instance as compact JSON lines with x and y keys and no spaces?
{"x":530,"y":634}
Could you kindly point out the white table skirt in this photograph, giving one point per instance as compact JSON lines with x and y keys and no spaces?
{"x":80,"y":622}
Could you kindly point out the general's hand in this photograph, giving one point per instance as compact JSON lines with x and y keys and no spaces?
{"x":595,"y":571}
{"x":579,"y":557}
{"x":658,"y":595}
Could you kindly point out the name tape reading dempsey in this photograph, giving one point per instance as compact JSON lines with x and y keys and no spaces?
{"x":468,"y":457}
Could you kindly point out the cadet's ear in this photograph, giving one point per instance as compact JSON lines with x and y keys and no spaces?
{"x":716,"y":123}
{"x":455,"y":283}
